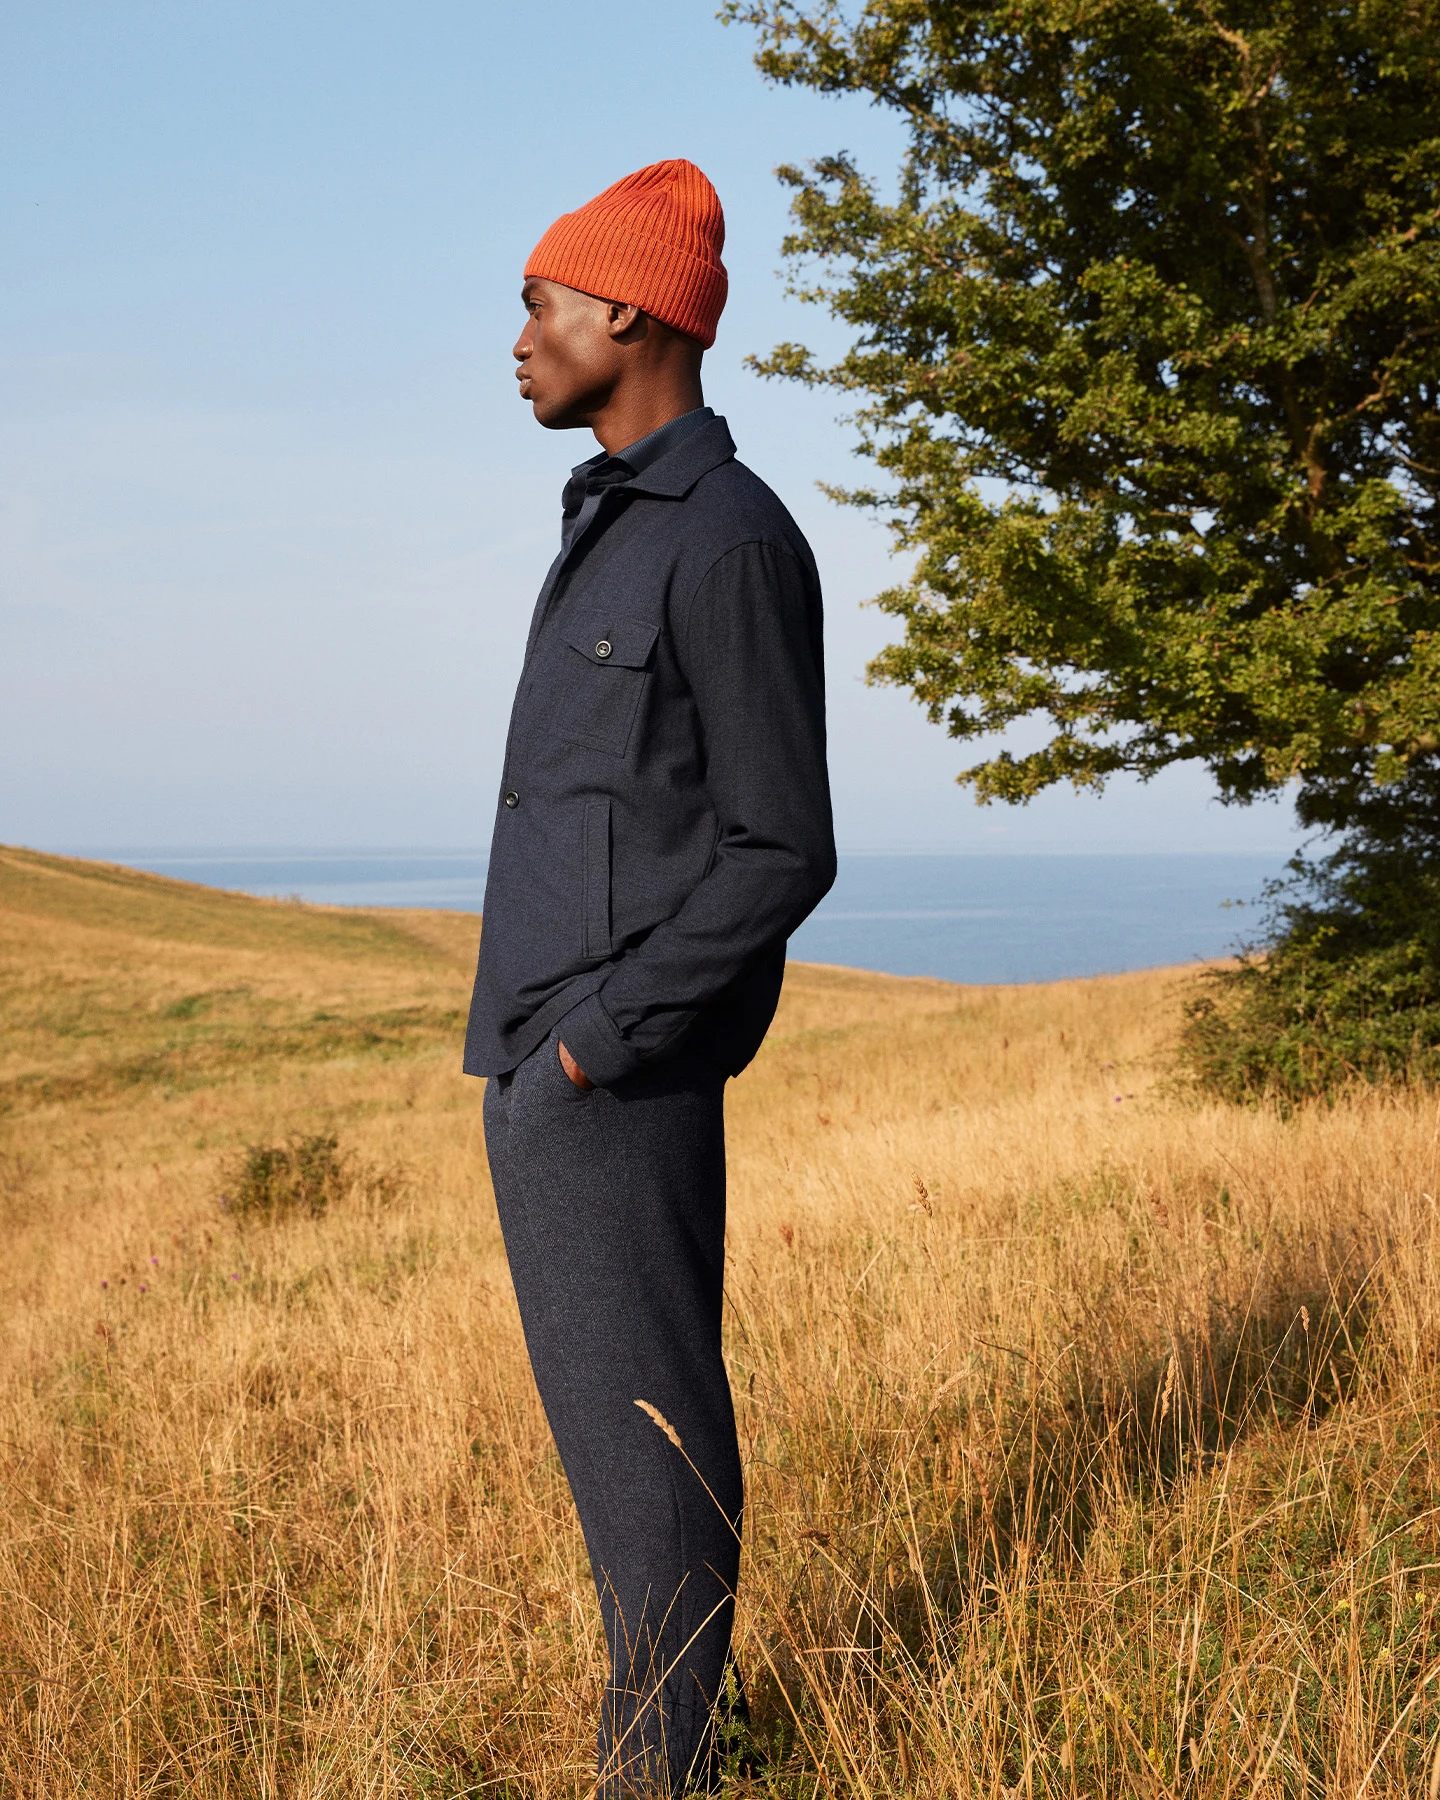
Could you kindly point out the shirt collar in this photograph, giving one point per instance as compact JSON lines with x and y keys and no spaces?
{"x":649,"y":449}
{"x":580,"y":502}
{"x":665,"y":438}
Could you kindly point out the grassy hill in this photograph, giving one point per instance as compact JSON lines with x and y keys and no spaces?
{"x":1091,"y":1433}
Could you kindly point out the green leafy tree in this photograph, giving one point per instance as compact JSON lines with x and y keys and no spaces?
{"x":1148,"y":346}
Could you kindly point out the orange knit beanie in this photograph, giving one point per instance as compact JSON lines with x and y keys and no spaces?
{"x":652,"y":240}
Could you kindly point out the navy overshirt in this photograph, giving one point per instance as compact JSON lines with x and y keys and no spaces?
{"x":663,"y":822}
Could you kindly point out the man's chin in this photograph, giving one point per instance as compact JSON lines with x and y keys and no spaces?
{"x":555,"y":413}
{"x":557,"y":418}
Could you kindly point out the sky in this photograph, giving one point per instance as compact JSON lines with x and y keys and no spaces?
{"x":272,"y":516}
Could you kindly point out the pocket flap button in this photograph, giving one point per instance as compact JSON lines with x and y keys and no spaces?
{"x":603,"y":648}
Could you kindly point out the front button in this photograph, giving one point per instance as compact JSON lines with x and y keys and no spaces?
{"x":603,"y":648}
{"x":512,"y":799}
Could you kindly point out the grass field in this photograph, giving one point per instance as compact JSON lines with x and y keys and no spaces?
{"x":1091,"y":1433}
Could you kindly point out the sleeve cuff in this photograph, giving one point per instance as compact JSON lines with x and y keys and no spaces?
{"x":589,"y":1034}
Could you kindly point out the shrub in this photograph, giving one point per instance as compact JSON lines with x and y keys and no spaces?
{"x":1347,"y":988}
{"x":1295,"y":1024}
{"x":269,"y":1182}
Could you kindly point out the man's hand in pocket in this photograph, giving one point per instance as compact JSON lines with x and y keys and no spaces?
{"x":573,"y":1069}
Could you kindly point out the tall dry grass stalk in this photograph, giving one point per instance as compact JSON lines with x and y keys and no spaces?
{"x":1091,"y":1435}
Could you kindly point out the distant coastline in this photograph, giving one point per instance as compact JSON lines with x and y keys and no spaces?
{"x":972,"y":917}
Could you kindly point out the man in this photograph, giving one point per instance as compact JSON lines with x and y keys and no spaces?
{"x":663,"y":826}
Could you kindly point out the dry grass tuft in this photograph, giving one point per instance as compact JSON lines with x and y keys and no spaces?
{"x":1092,"y":1437}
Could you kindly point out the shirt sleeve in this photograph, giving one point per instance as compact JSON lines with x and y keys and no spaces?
{"x":750,"y":647}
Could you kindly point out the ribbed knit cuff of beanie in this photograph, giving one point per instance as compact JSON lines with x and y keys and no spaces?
{"x":652,"y":240}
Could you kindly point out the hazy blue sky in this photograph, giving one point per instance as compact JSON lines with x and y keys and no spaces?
{"x":271,"y":514}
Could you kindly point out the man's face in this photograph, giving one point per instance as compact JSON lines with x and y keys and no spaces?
{"x":569,"y":359}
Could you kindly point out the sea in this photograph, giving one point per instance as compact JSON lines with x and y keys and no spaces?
{"x":970,"y":918}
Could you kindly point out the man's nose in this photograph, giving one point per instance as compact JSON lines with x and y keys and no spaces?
{"x":521,"y":347}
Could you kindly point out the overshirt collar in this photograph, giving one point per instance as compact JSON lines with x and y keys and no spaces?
{"x":680,"y":465}
{"x":671,"y":459}
{"x":648,"y":450}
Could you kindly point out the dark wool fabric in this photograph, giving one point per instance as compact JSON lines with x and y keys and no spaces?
{"x":663,"y":822}
{"x":612,"y":1203}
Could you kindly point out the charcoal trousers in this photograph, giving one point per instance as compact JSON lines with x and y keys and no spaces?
{"x":612,"y":1202}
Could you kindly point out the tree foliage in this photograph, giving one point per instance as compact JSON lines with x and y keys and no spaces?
{"x":1148,"y":346}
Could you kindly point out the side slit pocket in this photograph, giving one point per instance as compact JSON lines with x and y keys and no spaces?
{"x":595,"y":880}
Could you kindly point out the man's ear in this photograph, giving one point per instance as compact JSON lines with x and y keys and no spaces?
{"x":624,"y":320}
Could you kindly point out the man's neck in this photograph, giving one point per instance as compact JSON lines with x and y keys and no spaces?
{"x":626,"y":418}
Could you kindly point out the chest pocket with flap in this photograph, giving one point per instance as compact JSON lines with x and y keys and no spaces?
{"x":605,"y":679}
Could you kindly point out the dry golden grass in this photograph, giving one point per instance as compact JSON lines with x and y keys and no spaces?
{"x":1091,"y":1434}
